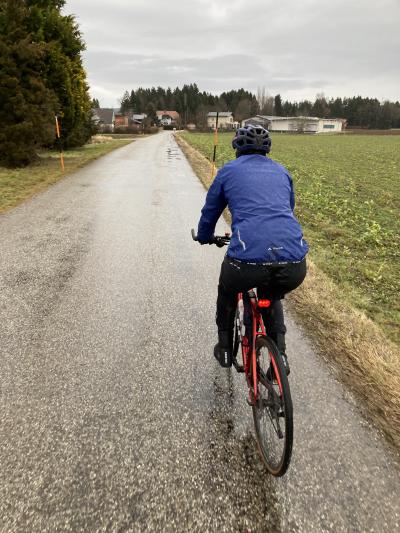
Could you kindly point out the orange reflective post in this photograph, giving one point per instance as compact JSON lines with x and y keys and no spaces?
{"x":58,"y":134}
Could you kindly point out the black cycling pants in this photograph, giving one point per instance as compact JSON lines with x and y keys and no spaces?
{"x":272,"y":282}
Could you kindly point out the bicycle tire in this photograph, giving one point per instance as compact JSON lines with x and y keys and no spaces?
{"x":276,"y":406}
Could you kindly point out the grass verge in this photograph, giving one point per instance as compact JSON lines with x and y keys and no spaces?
{"x":16,"y":185}
{"x":368,"y":363}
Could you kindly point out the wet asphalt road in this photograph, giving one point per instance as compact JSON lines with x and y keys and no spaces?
{"x":114,"y":415}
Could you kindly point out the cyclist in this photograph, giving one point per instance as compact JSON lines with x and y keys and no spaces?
{"x":267,"y":249}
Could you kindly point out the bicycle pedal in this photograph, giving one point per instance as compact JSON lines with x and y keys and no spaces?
{"x":239,"y":368}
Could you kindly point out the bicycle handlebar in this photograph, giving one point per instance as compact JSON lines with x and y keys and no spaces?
{"x":219,"y":240}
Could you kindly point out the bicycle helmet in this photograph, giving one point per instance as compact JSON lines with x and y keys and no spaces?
{"x":251,"y":138}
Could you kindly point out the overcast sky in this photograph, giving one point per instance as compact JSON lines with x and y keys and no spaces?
{"x":297,"y":48}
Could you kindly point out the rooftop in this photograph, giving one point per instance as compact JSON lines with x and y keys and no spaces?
{"x":173,"y":114}
{"x":105,"y":115}
{"x":220,"y":113}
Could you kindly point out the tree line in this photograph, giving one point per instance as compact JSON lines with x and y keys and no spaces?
{"x":193,"y":106}
{"x":41,"y":76}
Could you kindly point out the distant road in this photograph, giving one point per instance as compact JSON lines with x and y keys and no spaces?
{"x":114,"y":415}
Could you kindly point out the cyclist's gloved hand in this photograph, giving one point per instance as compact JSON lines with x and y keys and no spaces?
{"x":219,"y":241}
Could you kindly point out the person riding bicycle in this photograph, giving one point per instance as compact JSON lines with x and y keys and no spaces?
{"x":267,"y":249}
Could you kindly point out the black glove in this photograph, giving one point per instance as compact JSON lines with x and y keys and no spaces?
{"x":220,"y":241}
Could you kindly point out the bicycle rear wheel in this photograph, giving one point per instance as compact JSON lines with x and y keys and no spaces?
{"x":273,"y":411}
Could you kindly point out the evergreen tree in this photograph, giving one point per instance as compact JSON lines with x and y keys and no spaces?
{"x":27,"y":106}
{"x":336,"y":108}
{"x":64,"y":73}
{"x":278,"y":105}
{"x":132,"y":102}
{"x":151,"y":112}
{"x":320,"y":108}
{"x":42,"y":75}
{"x":125,"y":103}
{"x":194,"y":105}
{"x":304,"y":108}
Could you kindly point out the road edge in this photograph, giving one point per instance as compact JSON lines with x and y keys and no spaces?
{"x":366,"y":361}
{"x":59,"y":175}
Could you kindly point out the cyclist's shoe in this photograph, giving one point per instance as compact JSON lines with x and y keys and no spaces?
{"x":222,"y":350}
{"x":223,"y":355}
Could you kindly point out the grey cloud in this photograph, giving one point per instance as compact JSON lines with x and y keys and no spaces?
{"x":214,"y":73}
{"x":288,"y":46}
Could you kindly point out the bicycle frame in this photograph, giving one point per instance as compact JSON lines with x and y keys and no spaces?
{"x":249,"y":352}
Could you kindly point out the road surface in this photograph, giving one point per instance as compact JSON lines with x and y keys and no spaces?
{"x":114,"y":415}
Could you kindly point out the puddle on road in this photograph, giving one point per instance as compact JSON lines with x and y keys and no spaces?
{"x":173,"y":154}
{"x":236,"y":474}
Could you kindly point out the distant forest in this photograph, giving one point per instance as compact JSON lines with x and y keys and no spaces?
{"x":193,"y":106}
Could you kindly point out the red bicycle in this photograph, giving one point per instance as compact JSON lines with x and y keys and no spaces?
{"x":264,"y":369}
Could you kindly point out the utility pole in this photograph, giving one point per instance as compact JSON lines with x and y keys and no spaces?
{"x":185,"y":108}
{"x":213,"y":167}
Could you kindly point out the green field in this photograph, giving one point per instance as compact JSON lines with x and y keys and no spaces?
{"x":348,"y":201}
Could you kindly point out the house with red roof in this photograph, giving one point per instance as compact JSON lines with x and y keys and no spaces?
{"x":168,"y":118}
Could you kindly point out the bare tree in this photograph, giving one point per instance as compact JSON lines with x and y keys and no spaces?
{"x":243,"y":110}
{"x":265,"y":101}
{"x":201,"y":117}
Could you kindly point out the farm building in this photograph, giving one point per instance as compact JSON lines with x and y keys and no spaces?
{"x":298,"y":124}
{"x":137,"y":118}
{"x":104,"y":119}
{"x":128,"y":120}
{"x":168,"y":118}
{"x":225,"y":120}
{"x":121,"y":120}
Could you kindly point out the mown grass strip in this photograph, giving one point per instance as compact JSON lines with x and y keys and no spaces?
{"x":16,"y":185}
{"x":368,"y":362}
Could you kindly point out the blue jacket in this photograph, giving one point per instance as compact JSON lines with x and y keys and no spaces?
{"x":260,"y":196}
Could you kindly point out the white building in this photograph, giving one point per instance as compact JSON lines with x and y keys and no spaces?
{"x":225,"y":120}
{"x":298,"y":124}
{"x":168,"y":118}
{"x":104,"y":119}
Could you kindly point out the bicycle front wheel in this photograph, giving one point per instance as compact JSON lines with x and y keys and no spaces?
{"x":273,"y":411}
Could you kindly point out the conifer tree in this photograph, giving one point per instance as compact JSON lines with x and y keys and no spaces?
{"x":64,"y":73}
{"x":27,"y":106}
{"x":41,"y":75}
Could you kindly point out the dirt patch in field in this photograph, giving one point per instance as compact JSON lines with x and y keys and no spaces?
{"x":367,"y":362}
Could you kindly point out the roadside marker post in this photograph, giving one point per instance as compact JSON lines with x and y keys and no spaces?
{"x":213,"y":165}
{"x":58,"y":134}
